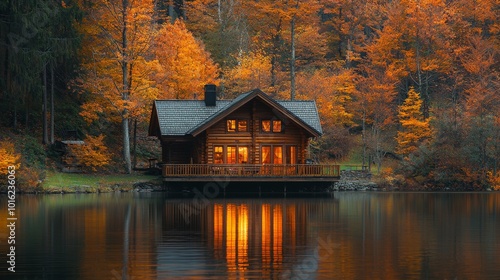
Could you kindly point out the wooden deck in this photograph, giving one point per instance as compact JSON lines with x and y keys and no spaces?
{"x":251,"y":173}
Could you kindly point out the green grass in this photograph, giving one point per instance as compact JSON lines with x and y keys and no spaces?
{"x":56,"y":179}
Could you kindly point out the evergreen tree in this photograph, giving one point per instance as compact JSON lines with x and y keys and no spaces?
{"x":415,"y":129}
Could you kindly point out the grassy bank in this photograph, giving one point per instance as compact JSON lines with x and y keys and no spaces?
{"x":56,"y":182}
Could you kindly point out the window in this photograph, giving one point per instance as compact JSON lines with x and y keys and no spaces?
{"x":276,"y":126}
{"x":231,"y":125}
{"x":242,"y":154}
{"x":231,"y":155}
{"x":218,"y":154}
{"x":242,"y":125}
{"x":266,"y":154}
{"x":272,"y":126}
{"x":266,"y":126}
{"x":237,"y":125}
{"x":291,"y":155}
{"x":278,"y":155}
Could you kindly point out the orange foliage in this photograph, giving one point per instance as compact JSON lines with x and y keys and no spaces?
{"x":414,"y":127}
{"x":93,"y":153}
{"x":185,"y":66}
{"x":8,"y":157}
{"x":494,"y":180}
{"x":332,"y":93}
{"x":117,"y":66}
{"x":253,"y":71}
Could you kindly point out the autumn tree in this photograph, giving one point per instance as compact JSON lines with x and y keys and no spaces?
{"x":8,"y":156}
{"x":184,"y":65}
{"x":117,"y":63}
{"x":482,"y":105}
{"x":333,"y":92}
{"x":415,"y":128}
{"x":252,"y":71}
{"x":373,"y":109}
{"x":93,"y":154}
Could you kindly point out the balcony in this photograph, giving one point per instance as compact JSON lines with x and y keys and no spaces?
{"x":251,"y":172}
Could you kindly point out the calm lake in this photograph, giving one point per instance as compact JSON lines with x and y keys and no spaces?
{"x":352,"y":235}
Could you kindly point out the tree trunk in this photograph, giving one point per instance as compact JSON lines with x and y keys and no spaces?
{"x":171,"y":11}
{"x":292,"y":61}
{"x":363,"y":137}
{"x":135,"y":144}
{"x":125,"y":93}
{"x":45,"y":139}
{"x":126,"y":143}
{"x":52,"y":104}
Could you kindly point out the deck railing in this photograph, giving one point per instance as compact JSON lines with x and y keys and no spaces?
{"x":251,"y":170}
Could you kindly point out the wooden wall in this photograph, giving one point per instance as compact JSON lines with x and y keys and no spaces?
{"x":254,"y":138}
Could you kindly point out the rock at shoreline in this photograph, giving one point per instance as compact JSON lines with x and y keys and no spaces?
{"x":354,"y":180}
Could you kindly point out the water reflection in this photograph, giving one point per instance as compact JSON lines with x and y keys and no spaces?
{"x":351,"y":236}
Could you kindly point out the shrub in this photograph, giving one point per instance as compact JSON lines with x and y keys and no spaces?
{"x":93,"y":153}
{"x":8,"y":157}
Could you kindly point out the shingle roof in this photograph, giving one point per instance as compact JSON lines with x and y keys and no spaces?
{"x":180,"y":117}
{"x":305,"y":110}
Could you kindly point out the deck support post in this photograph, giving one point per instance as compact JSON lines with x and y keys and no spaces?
{"x":284,"y":191}
{"x":260,"y":191}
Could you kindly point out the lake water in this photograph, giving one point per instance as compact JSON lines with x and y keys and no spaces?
{"x":353,"y":235}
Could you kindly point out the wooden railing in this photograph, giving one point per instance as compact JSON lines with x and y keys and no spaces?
{"x":251,"y":170}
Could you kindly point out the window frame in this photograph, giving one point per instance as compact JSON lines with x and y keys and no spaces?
{"x":236,"y":125}
{"x":271,"y":125}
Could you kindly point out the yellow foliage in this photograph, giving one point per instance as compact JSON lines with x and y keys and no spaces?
{"x":115,"y":92}
{"x":253,"y":71}
{"x":184,"y":65}
{"x":93,"y":153}
{"x":414,"y":127}
{"x":8,"y":157}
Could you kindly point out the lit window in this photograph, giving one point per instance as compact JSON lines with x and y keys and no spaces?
{"x":218,"y":155}
{"x":231,"y":155}
{"x":242,"y":125}
{"x":266,"y":126}
{"x":276,"y":126}
{"x":266,"y":154}
{"x":242,"y":154}
{"x":278,"y":155}
{"x":291,"y":155}
{"x":231,"y":125}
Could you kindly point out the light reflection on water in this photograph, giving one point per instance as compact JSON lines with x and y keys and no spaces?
{"x":351,"y":236}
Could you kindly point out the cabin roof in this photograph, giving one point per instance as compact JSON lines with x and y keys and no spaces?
{"x":189,"y":117}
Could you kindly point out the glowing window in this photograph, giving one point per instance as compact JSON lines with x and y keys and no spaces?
{"x":231,"y":125}
{"x":266,"y":126}
{"x":242,"y":125}
{"x":278,"y":155}
{"x":242,"y":154}
{"x":266,"y":154}
{"x":218,"y":154}
{"x":291,"y":155}
{"x":276,"y":126}
{"x":231,"y":155}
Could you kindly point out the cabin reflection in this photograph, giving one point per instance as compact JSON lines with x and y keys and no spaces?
{"x":246,"y":235}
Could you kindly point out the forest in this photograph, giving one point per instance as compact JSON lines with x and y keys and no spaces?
{"x":409,"y":86}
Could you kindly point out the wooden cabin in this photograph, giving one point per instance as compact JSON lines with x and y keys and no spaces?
{"x":251,"y":136}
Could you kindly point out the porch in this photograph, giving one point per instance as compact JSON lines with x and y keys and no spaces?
{"x":251,"y":172}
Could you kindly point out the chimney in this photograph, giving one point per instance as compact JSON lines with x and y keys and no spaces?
{"x":210,"y":95}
